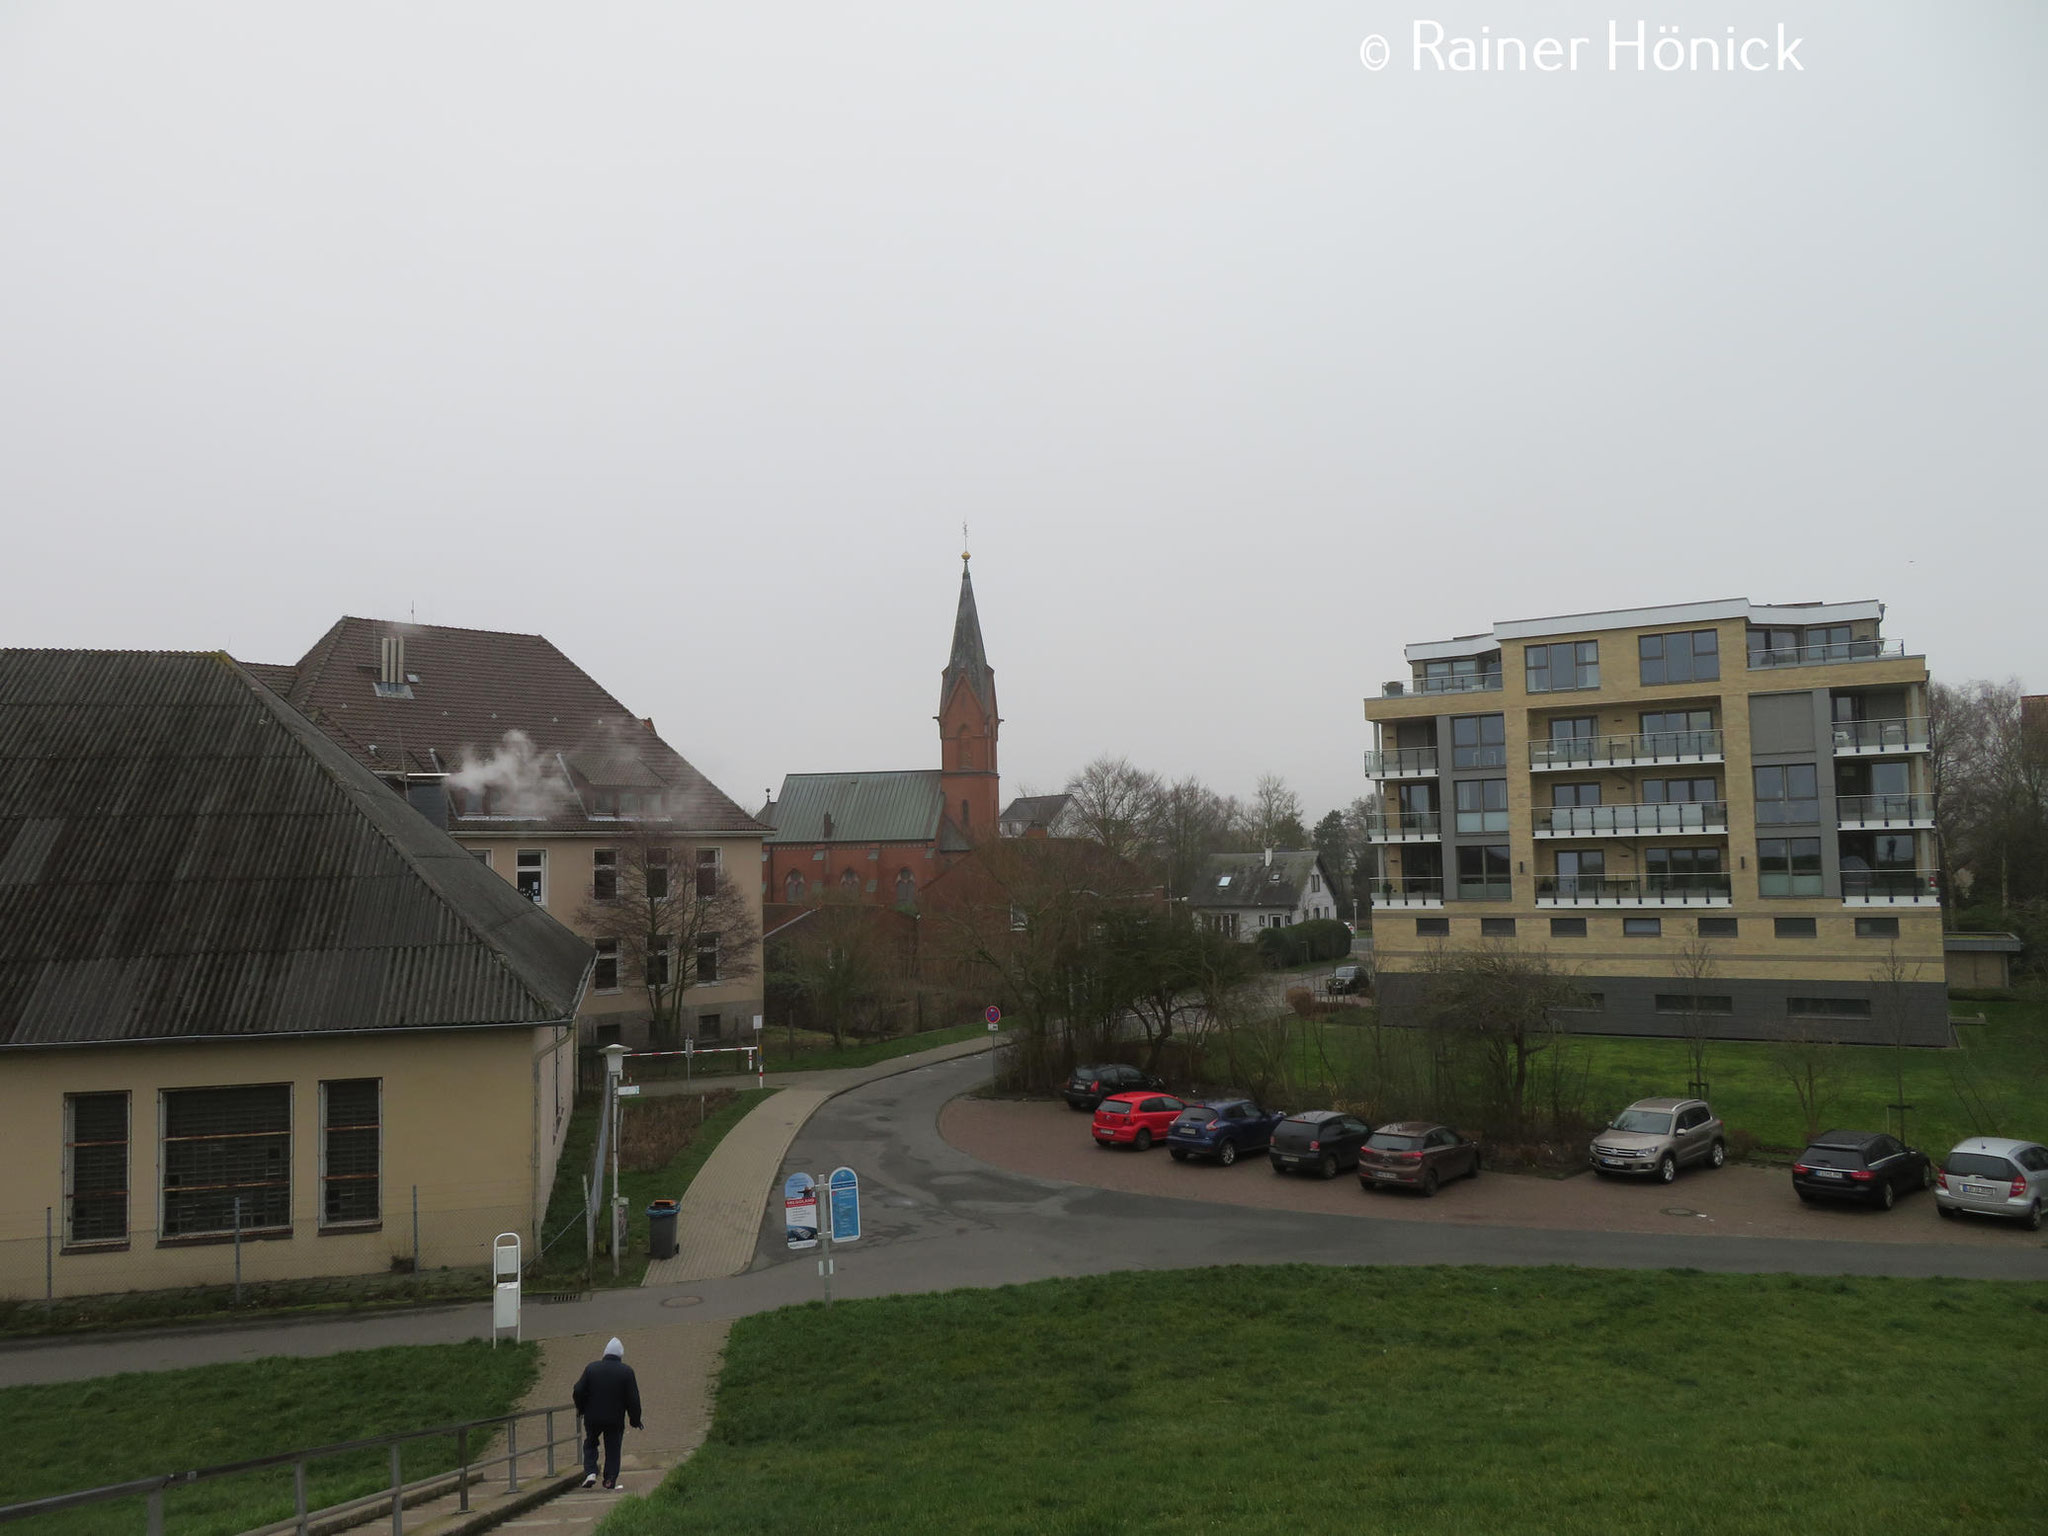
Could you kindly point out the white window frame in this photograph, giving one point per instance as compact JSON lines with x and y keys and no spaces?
{"x":618,"y":979}
{"x":520,"y":866}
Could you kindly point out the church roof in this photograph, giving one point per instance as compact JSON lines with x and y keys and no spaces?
{"x":901,"y":807}
{"x":968,"y":659}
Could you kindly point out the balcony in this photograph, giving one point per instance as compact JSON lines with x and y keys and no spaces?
{"x":1826,"y":653}
{"x":1413,"y":891}
{"x":1625,"y":751}
{"x":1460,"y":682}
{"x":1899,"y":813}
{"x":1659,"y":820}
{"x":1880,"y":738}
{"x":1633,"y":891}
{"x":1404,"y":827}
{"x":1889,"y":888}
{"x":1401,"y":763}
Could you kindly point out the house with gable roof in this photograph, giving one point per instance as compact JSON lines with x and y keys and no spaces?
{"x":1240,"y":893}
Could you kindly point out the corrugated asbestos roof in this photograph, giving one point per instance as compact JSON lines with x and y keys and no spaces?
{"x":184,"y":856}
{"x":1251,"y":882}
{"x":901,"y":807}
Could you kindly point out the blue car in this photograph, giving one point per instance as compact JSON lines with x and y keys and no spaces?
{"x":1222,"y":1129}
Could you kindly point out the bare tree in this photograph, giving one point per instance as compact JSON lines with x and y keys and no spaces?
{"x":1894,"y":976}
{"x":839,"y":959}
{"x":669,"y":917}
{"x":1812,"y":1065}
{"x":1272,"y":817}
{"x":1694,"y":966}
{"x":1502,"y":997}
{"x":1191,"y":821}
{"x":1115,"y":805}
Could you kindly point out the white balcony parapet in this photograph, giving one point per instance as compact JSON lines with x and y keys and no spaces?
{"x":1401,"y":763}
{"x":1625,"y":751}
{"x":1881,"y":812}
{"x":1880,"y":738}
{"x":1661,"y":819}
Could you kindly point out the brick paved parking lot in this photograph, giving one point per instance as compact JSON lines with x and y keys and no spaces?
{"x":1048,"y":1140}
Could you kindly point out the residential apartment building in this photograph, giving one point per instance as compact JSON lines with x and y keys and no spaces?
{"x":1618,"y":786}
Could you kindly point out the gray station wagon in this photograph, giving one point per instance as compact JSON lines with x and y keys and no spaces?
{"x":1993,"y":1176}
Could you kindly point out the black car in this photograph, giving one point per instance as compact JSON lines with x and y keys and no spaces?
{"x":1860,"y":1165}
{"x":1089,"y":1086}
{"x":1324,"y":1140}
{"x":1346,"y":978}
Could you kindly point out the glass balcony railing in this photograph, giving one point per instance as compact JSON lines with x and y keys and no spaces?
{"x":1485,"y":890}
{"x":1404,"y":826}
{"x":1458,"y":682}
{"x":1409,"y":891}
{"x":1890,"y":888}
{"x":1884,"y":810}
{"x":1624,"y":751}
{"x":1401,"y":763}
{"x":1633,"y":890}
{"x":1631,"y":820}
{"x":1825,"y":654}
{"x":1876,"y":737}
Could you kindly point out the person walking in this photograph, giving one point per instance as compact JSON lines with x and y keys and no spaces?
{"x":607,"y":1395}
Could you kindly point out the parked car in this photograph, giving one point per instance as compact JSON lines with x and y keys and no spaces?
{"x":1860,"y":1165}
{"x":1346,"y":978}
{"x":1994,"y":1176}
{"x":1135,"y":1119}
{"x":1660,"y":1136}
{"x":1088,"y":1086}
{"x":1323,"y":1139}
{"x":1222,"y":1128}
{"x":1416,"y":1154}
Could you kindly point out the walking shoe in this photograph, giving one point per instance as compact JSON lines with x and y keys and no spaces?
{"x":590,"y":1480}
{"x":611,"y":1487}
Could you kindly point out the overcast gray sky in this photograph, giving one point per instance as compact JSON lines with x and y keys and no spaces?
{"x":688,"y":334}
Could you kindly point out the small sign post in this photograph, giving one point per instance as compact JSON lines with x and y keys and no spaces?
{"x":843,"y":1192}
{"x":800,"y":1210}
{"x":760,"y":1057}
{"x":994,"y":1015}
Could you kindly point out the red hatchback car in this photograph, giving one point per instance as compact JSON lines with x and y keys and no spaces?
{"x":1135,"y":1119}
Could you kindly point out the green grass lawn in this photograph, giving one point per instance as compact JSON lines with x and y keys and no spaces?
{"x":1410,"y":1401}
{"x":76,"y":1435}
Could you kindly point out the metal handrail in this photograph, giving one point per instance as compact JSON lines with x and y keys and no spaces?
{"x":1398,"y":760}
{"x":1624,"y":890}
{"x":1414,"y":887}
{"x":1651,"y":747}
{"x":1628,"y":819}
{"x":1874,"y":887}
{"x":1884,"y":809}
{"x":300,"y":1520}
{"x":1404,"y":824}
{"x":1903,"y":734}
{"x":1825,"y":652}
{"x":1458,"y":682}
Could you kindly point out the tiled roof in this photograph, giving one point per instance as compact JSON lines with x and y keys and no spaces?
{"x":1245,"y":879}
{"x":183,"y":856}
{"x":1035,"y":810}
{"x":902,"y":807}
{"x":475,"y":688}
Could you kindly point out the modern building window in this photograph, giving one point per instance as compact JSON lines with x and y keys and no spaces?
{"x":656,"y":876}
{"x":532,"y":875}
{"x":95,"y":1168}
{"x":1686,"y":1002}
{"x":1460,"y":674}
{"x":604,"y":975}
{"x":1679,"y":730}
{"x":1795,"y":927}
{"x":351,"y":1139}
{"x":1690,"y":656}
{"x":221,"y":1146}
{"x":1569,"y":728}
{"x":1574,"y":794}
{"x":1569,"y":664}
{"x":1482,"y":805}
{"x":1773,"y":647}
{"x":1642,"y":927}
{"x":1788,"y":866}
{"x":707,"y":871}
{"x":1828,"y":1007}
{"x":1416,"y":799}
{"x":1676,"y":869}
{"x":1432,"y":927}
{"x":604,"y":874}
{"x":1719,"y":927}
{"x":1580,"y":870}
{"x":1479,"y":741}
{"x":1567,"y":927}
{"x":1483,"y":873}
{"x":1679,"y":791}
{"x":1496,"y":927}
{"x":1877,"y":927}
{"x":906,"y":888}
{"x":793,"y":886}
{"x":707,"y":959}
{"x":1789,"y":793}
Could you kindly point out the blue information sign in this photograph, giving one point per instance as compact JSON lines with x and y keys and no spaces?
{"x":843,"y":1190}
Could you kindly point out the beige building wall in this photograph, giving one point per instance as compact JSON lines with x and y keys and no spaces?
{"x":474,"y":1118}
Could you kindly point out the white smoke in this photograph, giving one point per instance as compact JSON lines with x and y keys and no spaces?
{"x":515,"y":776}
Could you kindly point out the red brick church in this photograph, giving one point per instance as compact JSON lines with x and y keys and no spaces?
{"x":884,"y":837}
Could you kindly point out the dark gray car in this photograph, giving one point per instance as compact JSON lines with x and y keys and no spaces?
{"x":1320,"y":1141}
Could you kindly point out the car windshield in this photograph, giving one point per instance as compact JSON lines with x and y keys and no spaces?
{"x":1382,"y":1142}
{"x":1831,"y":1157}
{"x":1347,"y":971}
{"x":1981,"y":1165}
{"x":1114,"y":1107}
{"x":1647,"y":1122}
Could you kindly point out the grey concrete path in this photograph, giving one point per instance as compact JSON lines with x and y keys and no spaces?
{"x":828,"y":1081}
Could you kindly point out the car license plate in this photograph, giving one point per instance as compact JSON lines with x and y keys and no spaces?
{"x":1827,"y":1173}
{"x":1614,"y":1162}
{"x":1980,"y":1189}
{"x":1381,"y":1173}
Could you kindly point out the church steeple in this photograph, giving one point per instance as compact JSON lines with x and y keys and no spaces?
{"x":968,"y":723}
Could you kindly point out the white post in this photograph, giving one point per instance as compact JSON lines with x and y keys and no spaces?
{"x":614,"y":1070}
{"x":760,"y":1057}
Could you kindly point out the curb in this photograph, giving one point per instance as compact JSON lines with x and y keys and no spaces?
{"x":530,"y":1498}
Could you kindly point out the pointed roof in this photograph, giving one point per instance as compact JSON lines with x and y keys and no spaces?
{"x":968,"y":660}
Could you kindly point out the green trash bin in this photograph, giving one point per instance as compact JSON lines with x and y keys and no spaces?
{"x":661,"y":1229}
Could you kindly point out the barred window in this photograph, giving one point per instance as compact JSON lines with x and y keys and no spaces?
{"x":222,"y":1145}
{"x":96,"y":1168}
{"x":351,"y":1151}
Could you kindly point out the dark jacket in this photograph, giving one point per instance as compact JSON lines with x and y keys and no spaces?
{"x":608,"y":1393}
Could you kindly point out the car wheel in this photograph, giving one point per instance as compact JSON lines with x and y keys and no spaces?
{"x":1946,"y":1211}
{"x":1718,"y":1156}
{"x":1179,"y":1154}
{"x":1328,"y":1166}
{"x":1429,"y":1181}
{"x":1927,"y":1175}
{"x":1227,"y":1153}
{"x":2033,"y":1217}
{"x":1667,"y":1169}
{"x":1887,"y":1197}
{"x":1475,"y":1165}
{"x":1804,"y":1197}
{"x":1142,"y":1141}
{"x":1278,"y":1171}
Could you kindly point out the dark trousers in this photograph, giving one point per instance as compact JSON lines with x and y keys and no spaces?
{"x":612,"y":1434}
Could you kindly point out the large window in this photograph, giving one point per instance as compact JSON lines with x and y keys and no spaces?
{"x":707,"y":872}
{"x":1788,"y":866}
{"x":223,"y":1145}
{"x":656,"y":876}
{"x":1482,"y":805}
{"x":532,"y":875}
{"x":1580,"y":871}
{"x":1479,"y":741}
{"x":95,"y":1168}
{"x":1679,"y":791}
{"x":1570,"y":664}
{"x":1574,"y":794}
{"x":604,"y":874}
{"x":707,"y":959}
{"x":1690,"y":656}
{"x":1680,"y":730}
{"x":1483,"y":873}
{"x":604,"y":975}
{"x":657,"y":968}
{"x":351,"y":1153}
{"x":1679,"y":869}
{"x":1790,"y":793}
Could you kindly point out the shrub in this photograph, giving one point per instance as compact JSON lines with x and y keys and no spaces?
{"x":1982,"y":995}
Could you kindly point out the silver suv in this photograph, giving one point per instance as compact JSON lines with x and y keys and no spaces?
{"x":1659,"y":1136}
{"x":1994,"y":1177}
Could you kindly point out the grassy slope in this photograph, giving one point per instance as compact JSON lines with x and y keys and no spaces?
{"x":1413,"y":1401}
{"x":84,"y":1434}
{"x":813,"y":1053}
